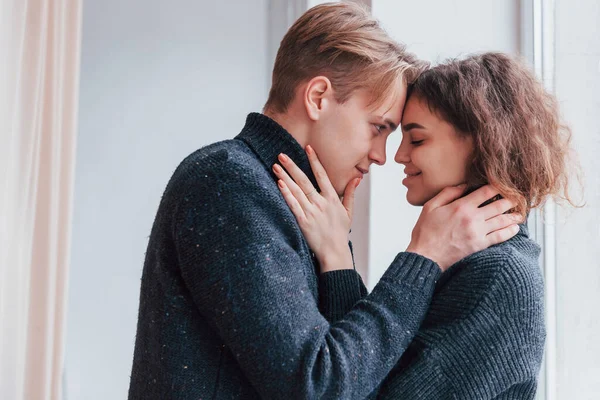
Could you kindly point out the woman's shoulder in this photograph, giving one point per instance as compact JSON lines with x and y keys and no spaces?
{"x":514,"y":259}
{"x":512,"y":265}
{"x":507,"y":276}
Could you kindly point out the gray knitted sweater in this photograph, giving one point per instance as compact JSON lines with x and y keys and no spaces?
{"x":483,"y":335}
{"x":230,"y":306}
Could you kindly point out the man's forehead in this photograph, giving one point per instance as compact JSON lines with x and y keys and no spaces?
{"x":390,"y":109}
{"x":384,"y":103}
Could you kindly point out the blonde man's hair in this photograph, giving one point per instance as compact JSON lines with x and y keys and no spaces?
{"x":343,"y":42}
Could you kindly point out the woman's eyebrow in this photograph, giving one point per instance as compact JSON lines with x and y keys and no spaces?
{"x":412,"y":125}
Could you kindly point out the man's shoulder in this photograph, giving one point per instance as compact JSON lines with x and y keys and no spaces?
{"x":220,"y":156}
{"x":219,"y":163}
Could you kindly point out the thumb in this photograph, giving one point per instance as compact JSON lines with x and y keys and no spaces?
{"x":348,"y":200}
{"x":448,"y":195}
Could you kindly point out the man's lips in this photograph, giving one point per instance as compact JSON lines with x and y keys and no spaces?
{"x":362,"y":171}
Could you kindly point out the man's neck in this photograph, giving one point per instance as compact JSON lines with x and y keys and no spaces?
{"x":291,"y":124}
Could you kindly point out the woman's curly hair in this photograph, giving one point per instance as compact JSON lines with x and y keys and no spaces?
{"x":520,"y":144}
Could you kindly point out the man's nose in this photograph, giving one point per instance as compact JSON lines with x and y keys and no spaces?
{"x":377,"y":154}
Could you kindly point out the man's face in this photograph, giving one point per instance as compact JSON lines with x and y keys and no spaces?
{"x":352,"y":136}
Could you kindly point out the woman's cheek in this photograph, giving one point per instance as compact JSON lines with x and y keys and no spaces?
{"x":425,"y":160}
{"x":416,"y":157}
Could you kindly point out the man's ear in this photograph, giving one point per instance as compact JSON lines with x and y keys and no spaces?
{"x":317,"y":96}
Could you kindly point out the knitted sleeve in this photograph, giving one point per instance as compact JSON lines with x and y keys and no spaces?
{"x":483,"y":338}
{"x":249,"y":277}
{"x":521,"y":390}
{"x":339,"y":291}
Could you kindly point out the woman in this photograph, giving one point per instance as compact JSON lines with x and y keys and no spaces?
{"x":483,"y":119}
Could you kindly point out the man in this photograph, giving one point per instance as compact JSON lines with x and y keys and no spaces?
{"x":229,"y":304}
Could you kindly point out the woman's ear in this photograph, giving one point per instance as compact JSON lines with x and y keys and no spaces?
{"x":317,"y":97}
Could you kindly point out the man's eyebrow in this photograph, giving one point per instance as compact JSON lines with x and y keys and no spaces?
{"x":412,"y":125}
{"x":390,"y":124}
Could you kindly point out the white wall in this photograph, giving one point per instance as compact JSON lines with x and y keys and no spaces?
{"x":577,"y":74}
{"x":434,"y":31}
{"x":158,"y":80}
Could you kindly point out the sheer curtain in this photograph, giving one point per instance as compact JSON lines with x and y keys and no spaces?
{"x":39,"y":74}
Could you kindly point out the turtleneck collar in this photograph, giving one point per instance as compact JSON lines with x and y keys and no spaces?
{"x":268,"y":139}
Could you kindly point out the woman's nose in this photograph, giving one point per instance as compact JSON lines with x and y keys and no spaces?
{"x":402,"y":155}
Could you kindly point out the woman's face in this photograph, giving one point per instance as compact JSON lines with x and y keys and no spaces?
{"x":433,"y":153}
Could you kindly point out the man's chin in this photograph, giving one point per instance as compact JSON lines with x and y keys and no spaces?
{"x":341,"y":190}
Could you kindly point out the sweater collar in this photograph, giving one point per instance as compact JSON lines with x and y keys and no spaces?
{"x":524,"y":229}
{"x":268,"y":139}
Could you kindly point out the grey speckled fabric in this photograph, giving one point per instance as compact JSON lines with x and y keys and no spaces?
{"x":483,"y":335}
{"x":229,"y":303}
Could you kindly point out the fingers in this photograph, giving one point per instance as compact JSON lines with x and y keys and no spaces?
{"x":503,"y":221}
{"x":320,"y":173}
{"x":297,"y":174}
{"x":295,"y":190}
{"x":446,"y":196}
{"x":481,"y":195}
{"x":292,"y":202}
{"x":348,"y":200}
{"x":497,"y":208}
{"x":502,"y":235}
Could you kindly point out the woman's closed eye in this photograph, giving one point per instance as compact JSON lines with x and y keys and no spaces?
{"x":416,"y":142}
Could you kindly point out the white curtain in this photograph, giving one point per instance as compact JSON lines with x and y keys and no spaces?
{"x":39,"y":77}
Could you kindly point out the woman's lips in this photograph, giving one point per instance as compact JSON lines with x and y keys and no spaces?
{"x":409,"y":177}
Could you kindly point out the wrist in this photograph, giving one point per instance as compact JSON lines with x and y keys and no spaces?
{"x":338,"y":260}
{"x":422,"y":251}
